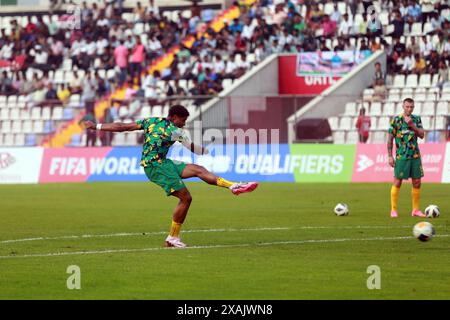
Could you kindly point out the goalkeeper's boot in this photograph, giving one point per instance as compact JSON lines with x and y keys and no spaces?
{"x":241,"y":187}
{"x":174,"y":242}
{"x":417,"y":213}
{"x":394,"y":214}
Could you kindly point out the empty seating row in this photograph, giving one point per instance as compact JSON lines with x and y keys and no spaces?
{"x":390,"y":108}
{"x":347,"y":123}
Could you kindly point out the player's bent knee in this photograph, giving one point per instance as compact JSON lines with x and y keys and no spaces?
{"x":187,"y":198}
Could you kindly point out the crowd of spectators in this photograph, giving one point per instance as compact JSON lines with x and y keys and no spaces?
{"x":105,"y":41}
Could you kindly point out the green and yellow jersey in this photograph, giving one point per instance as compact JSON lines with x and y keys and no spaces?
{"x":405,"y":137}
{"x":159,"y":135}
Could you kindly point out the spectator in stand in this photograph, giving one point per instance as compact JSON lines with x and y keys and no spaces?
{"x":231,"y":70}
{"x":345,"y":27}
{"x":442,"y":46}
{"x":7,"y":49}
{"x":443,"y":80}
{"x":75,"y":85}
{"x":367,"y":4}
{"x":414,"y":12}
{"x":18,"y":82}
{"x":379,"y":91}
{"x":399,"y":25}
{"x":55,"y":58}
{"x":236,"y":26}
{"x":399,"y":47}
{"x":40,"y":58}
{"x":374,"y":45}
{"x":427,"y":7}
{"x":64,"y":94}
{"x":91,"y":135}
{"x":408,"y":63}
{"x":51,"y":95}
{"x":414,"y":46}
{"x":137,"y":59}
{"x":378,"y":74}
{"x":89,"y":90}
{"x":315,"y":16}
{"x":139,"y":13}
{"x":280,"y":15}
{"x":248,"y":29}
{"x":152,"y":9}
{"x":328,"y":27}
{"x":426,"y":47}
{"x":433,"y":63}
{"x":336,"y":15}
{"x":363,"y":125}
{"x":363,"y":46}
{"x":121,"y":57}
{"x":106,"y":137}
{"x":420,"y":64}
{"x":6,"y":85}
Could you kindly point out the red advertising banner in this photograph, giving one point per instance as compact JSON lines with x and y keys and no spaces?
{"x":290,"y":83}
{"x":70,"y":164}
{"x":371,"y":163}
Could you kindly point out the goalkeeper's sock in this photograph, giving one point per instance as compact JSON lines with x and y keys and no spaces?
{"x":221,"y":182}
{"x":394,"y":197}
{"x":175,"y":229}
{"x":415,"y":194}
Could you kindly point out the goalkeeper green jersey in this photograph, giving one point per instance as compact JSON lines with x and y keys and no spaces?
{"x":159,"y":135}
{"x":405,"y":137}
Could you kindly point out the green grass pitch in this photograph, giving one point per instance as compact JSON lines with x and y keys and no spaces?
{"x":281,"y":242}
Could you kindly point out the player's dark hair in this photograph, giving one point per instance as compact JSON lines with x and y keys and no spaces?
{"x":178,"y":110}
{"x":408,"y":100}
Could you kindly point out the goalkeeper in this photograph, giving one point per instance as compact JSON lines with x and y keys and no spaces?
{"x":159,"y":135}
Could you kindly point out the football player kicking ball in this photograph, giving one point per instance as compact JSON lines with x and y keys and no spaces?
{"x":405,"y":129}
{"x":159,"y":135}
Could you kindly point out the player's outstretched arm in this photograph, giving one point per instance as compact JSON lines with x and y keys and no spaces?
{"x":195,"y":148}
{"x":114,"y":127}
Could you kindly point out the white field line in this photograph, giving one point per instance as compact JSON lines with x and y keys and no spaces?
{"x":133,"y":234}
{"x":256,"y":244}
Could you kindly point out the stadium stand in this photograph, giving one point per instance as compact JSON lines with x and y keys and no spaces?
{"x":53,"y":72}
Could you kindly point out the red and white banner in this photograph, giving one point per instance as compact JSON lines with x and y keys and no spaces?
{"x":371,"y":163}
{"x":70,"y":164}
{"x":290,"y":83}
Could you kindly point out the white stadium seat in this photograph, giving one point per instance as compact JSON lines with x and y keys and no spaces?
{"x":411,"y":81}
{"x":389,"y":109}
{"x":19,"y":140}
{"x":399,"y":81}
{"x":442,"y":108}
{"x":345,"y":123}
{"x":16,"y":126}
{"x":352,"y":137}
{"x":383,"y":123}
{"x":426,"y":123}
{"x":428,"y":109}
{"x":339,"y":137}
{"x":441,"y":123}
{"x":416,"y":29}
{"x":27,"y":126}
{"x":375,"y":109}
{"x":334,"y":123}
{"x":350,"y":109}
{"x":425,"y":81}
{"x":6,"y":126}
